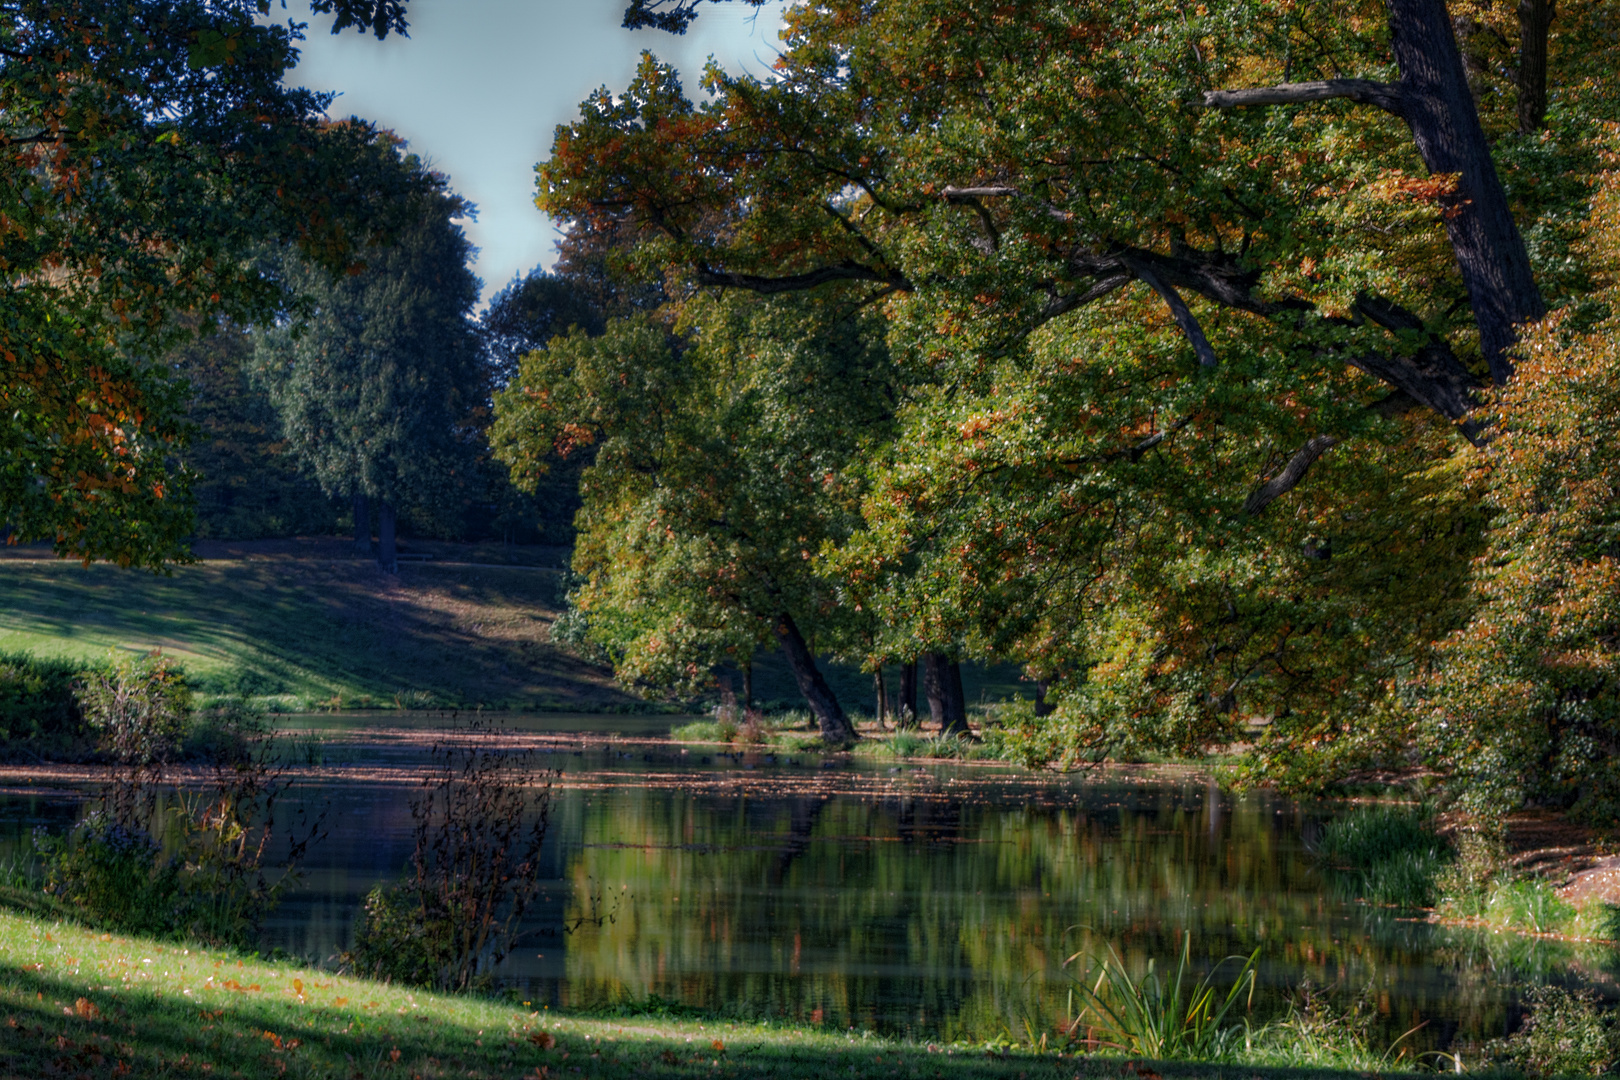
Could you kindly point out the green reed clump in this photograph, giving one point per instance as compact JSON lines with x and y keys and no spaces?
{"x":1159,"y":1017}
{"x":1385,"y":855}
{"x":1317,"y":1034}
{"x":1565,"y":1034}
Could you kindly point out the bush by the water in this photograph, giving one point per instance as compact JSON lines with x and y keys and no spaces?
{"x":39,"y":706}
{"x":479,"y":821}
{"x":1385,"y":855}
{"x":150,"y":860}
{"x":1565,"y":1034}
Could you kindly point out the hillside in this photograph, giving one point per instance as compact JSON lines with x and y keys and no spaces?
{"x":307,"y":624}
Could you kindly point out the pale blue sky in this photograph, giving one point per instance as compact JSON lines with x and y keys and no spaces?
{"x":480,"y":85}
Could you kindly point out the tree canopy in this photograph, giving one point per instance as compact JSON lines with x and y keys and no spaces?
{"x":378,"y":376}
{"x":147,"y":146}
{"x":1199,"y":310}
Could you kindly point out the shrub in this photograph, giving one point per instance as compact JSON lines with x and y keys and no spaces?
{"x":39,"y":709}
{"x":474,"y":870}
{"x":1384,"y":855}
{"x":138,"y":709}
{"x":1565,"y":1034}
{"x":152,"y":861}
{"x":115,"y":875}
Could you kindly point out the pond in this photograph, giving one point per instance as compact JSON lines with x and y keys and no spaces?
{"x":933,"y":900}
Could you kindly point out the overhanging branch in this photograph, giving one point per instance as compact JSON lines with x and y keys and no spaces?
{"x":767,"y":285}
{"x":1386,"y":96}
{"x":1182,"y":313}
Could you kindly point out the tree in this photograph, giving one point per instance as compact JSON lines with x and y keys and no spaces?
{"x":379,"y":381}
{"x":1525,"y":703}
{"x":146,"y":146}
{"x":720,"y":472}
{"x":246,"y":482}
{"x":1193,"y":371}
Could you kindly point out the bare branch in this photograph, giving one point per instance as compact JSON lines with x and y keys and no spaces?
{"x":1386,"y":96}
{"x":1290,"y":476}
{"x":1183,"y":315}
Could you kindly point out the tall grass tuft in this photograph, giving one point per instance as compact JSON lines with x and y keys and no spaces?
{"x":1157,"y":1017}
{"x":1384,"y":855}
{"x":1315,"y":1034}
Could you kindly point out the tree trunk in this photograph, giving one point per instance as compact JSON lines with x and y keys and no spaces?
{"x":1535,"y":16}
{"x":905,"y":709}
{"x":1440,"y":111}
{"x":362,"y":523}
{"x":836,"y":729}
{"x":748,"y":684}
{"x":1042,"y":706}
{"x":387,"y":551}
{"x":955,"y":702}
{"x":882,"y":694}
{"x":942,"y":681}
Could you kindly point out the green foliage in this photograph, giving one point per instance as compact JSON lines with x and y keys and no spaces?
{"x":1318,"y":1035}
{"x":1159,"y":431}
{"x":1565,"y":1034}
{"x":247,"y":484}
{"x":188,"y":865}
{"x":155,"y":146}
{"x":720,"y":470}
{"x":1524,"y":706}
{"x":1159,"y":1017}
{"x":39,"y":708}
{"x":1385,"y":855}
{"x":479,"y":820}
{"x":138,"y":708}
{"x":377,"y":376}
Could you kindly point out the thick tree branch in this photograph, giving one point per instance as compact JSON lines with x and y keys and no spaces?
{"x":767,"y":285}
{"x":1386,"y":96}
{"x":1432,"y":374}
{"x":1182,"y":313}
{"x":1290,"y":476}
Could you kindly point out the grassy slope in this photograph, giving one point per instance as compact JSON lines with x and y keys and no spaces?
{"x":74,"y":1002}
{"x":314,"y":625}
{"x":326,"y":631}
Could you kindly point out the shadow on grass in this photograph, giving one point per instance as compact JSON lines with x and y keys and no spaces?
{"x":56,"y":1026}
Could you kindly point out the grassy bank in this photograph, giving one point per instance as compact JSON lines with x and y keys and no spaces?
{"x":305,"y":625}
{"x":77,"y":1002}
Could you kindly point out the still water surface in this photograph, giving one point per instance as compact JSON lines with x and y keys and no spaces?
{"x":938,"y":901}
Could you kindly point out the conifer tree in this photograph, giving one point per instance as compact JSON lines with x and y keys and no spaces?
{"x":378,"y":376}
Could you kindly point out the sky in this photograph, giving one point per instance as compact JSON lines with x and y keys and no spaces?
{"x":479,"y":86}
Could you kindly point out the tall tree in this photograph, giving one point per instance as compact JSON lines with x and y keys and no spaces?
{"x":1197,"y":311}
{"x":720,"y":473}
{"x":378,"y":376}
{"x":146,"y":146}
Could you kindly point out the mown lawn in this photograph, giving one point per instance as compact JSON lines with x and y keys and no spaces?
{"x":301,"y":628}
{"x":77,"y":1003}
{"x":314,"y":632}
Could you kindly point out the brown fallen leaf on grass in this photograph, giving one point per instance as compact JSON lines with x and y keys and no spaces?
{"x":545,"y":1040}
{"x":718,"y":1045}
{"x":86,"y":1009}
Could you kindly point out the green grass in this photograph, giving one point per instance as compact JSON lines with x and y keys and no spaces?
{"x":76,"y":1002}
{"x":1384,"y":855}
{"x":299,"y":628}
{"x":300,"y":633}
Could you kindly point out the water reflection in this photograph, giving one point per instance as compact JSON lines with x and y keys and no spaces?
{"x":938,"y":902}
